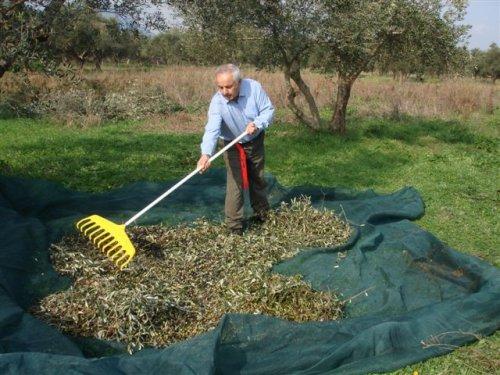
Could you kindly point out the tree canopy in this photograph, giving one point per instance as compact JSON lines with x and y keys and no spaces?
{"x":350,"y":36}
{"x":28,"y":28}
{"x":486,"y":64}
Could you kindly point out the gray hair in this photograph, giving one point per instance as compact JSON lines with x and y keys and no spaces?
{"x":229,"y":68}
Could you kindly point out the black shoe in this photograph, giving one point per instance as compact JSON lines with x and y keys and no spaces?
{"x":259,"y":218}
{"x":236,"y":231}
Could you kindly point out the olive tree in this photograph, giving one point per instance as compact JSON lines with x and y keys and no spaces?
{"x":360,"y":33}
{"x":488,"y":63}
{"x":82,"y":35}
{"x":267,"y":33}
{"x":351,"y":35}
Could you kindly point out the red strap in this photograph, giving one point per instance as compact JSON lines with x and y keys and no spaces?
{"x":243,"y":166}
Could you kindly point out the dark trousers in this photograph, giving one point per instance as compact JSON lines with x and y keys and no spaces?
{"x":255,"y":157}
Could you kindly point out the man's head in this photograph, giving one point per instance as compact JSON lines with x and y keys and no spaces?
{"x":228,"y":78}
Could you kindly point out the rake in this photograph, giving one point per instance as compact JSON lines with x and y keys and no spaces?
{"x":112,"y":239}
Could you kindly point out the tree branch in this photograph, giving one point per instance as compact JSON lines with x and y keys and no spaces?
{"x":15,"y":3}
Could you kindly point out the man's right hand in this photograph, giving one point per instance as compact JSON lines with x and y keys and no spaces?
{"x":204,"y":163}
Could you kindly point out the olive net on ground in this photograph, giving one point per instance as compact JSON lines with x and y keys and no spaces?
{"x":407,"y":295}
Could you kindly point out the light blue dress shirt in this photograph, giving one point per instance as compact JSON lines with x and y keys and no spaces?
{"x":228,"y":119}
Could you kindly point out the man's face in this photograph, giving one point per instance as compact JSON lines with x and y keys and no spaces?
{"x":227,"y":85}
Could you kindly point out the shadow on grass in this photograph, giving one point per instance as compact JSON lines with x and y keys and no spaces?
{"x":372,"y":152}
{"x":335,"y":162}
{"x":104,"y":160}
{"x":410,"y":130}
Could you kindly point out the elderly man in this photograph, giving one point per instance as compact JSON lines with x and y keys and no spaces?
{"x":239,"y":105}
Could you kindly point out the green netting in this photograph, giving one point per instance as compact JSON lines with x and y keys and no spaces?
{"x":407,"y":287}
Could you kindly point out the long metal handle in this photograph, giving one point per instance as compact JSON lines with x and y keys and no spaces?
{"x":173,"y":188}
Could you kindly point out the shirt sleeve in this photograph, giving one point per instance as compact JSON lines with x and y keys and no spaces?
{"x":212,"y":129}
{"x":265,"y":107}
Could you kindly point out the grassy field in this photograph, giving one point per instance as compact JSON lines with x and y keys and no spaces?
{"x":453,"y":163}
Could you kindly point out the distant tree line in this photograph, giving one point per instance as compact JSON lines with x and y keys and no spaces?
{"x":43,"y":34}
{"x":82,"y":36}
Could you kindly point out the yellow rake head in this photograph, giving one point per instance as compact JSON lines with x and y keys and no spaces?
{"x":109,"y":237}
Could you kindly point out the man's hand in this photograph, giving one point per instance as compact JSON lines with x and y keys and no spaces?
{"x":204,"y":163}
{"x":251,"y":128}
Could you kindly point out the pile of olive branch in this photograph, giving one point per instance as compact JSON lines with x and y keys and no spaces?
{"x":184,"y":278}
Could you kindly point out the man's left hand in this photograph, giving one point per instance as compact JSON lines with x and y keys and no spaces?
{"x":251,"y":128}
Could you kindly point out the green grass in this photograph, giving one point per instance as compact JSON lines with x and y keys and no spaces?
{"x":95,"y":159}
{"x":477,"y":358}
{"x":453,"y":164}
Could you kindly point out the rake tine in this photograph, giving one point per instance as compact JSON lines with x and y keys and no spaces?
{"x":111,"y":251}
{"x":84,"y":220}
{"x":93,"y":232}
{"x":100,"y":237}
{"x":117,"y":255}
{"x":86,"y":226}
{"x":81,"y":223}
{"x":97,"y":234}
{"x":102,"y":248}
{"x":125,"y":264}
{"x":105,"y":242}
{"x":109,"y":246}
{"x":122,"y":261}
{"x":91,"y":229}
{"x":104,"y":239}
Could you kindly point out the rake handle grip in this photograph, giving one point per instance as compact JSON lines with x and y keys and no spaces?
{"x":181,"y":182}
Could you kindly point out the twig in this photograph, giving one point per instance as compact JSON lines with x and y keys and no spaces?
{"x":434,"y":340}
{"x":357,"y":295}
{"x":349,"y":221}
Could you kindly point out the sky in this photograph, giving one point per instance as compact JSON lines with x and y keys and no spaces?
{"x":484,"y":17}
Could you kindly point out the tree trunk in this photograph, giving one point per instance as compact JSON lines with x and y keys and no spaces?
{"x":4,"y":66}
{"x":98,"y":64}
{"x":3,"y":69}
{"x":344,"y":85}
{"x":292,"y":72}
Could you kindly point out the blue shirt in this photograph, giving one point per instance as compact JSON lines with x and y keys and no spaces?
{"x":227,"y":119}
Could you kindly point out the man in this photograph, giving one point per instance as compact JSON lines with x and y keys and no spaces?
{"x":239,"y":105}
